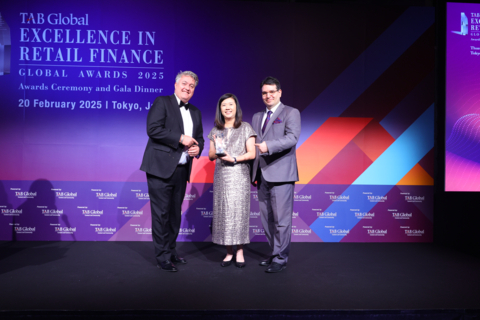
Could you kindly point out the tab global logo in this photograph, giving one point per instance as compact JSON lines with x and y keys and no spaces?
{"x":414,"y":199}
{"x":66,"y":195}
{"x":254,"y":215}
{"x":106,"y":195}
{"x":377,"y":232}
{"x":364,"y":215}
{"x":414,"y":232}
{"x":301,"y":232}
{"x":339,"y":232}
{"x":339,"y":198}
{"x":258,"y":231}
{"x":326,"y":215}
{"x":189,"y":197}
{"x":142,"y":196}
{"x":132,"y":213}
{"x":25,"y":194}
{"x":65,"y":230}
{"x":52,"y":212}
{"x":25,"y":229}
{"x":143,"y":230}
{"x":105,"y":230}
{"x":206,"y":214}
{"x":302,"y":197}
{"x":92,"y":213}
{"x":187,"y":231}
{"x":402,"y":215}
{"x":12,"y":212}
{"x":377,"y":198}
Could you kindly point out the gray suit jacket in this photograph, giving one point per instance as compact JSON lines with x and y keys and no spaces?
{"x":281,"y":136}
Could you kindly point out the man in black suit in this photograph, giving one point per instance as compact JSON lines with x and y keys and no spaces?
{"x":175,"y":132}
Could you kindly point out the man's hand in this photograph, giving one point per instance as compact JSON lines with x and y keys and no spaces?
{"x":188,"y":141}
{"x":262,"y":147}
{"x":193,"y":150}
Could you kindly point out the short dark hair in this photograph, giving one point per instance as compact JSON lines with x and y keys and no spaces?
{"x":220,"y":119}
{"x":271,"y":81}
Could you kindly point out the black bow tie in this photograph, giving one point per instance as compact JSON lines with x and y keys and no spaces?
{"x":183,"y":104}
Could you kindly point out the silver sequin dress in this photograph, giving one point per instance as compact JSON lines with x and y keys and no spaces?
{"x":231,"y":190}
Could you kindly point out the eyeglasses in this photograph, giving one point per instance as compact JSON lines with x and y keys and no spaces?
{"x":264,"y":93}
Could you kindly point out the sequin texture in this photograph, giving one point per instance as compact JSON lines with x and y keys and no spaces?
{"x":231,"y":189}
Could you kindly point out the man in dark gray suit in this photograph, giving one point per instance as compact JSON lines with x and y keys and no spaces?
{"x":174,"y":128}
{"x":275,"y":171}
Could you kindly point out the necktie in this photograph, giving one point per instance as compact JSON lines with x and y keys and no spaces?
{"x":269,"y":113}
{"x":183,"y":104}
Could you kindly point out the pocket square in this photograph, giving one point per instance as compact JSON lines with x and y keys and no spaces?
{"x":278,"y":120}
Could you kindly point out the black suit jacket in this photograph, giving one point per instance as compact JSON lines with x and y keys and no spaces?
{"x":164,"y":128}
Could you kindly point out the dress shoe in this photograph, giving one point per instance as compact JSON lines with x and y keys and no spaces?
{"x":167,"y":266}
{"x":178,"y":259}
{"x":240,"y":264}
{"x":266,"y":263}
{"x":226,"y":263}
{"x":276,"y":267}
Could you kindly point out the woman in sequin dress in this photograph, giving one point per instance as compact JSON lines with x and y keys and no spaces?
{"x":231,"y":185}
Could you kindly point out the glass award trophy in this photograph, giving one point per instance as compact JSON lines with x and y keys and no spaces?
{"x":220,"y":144}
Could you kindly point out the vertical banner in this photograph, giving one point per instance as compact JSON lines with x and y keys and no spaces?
{"x":462,"y":150}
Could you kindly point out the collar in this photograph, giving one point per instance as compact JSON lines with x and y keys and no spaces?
{"x":273,"y":109}
{"x":178,"y":99}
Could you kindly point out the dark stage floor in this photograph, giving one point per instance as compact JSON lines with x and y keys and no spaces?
{"x":116,"y":276}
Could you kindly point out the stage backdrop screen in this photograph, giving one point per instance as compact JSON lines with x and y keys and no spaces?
{"x":77,"y":79}
{"x":462,"y":101}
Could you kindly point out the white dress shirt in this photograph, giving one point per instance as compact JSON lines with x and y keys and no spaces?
{"x":266,"y":111}
{"x":188,"y":127}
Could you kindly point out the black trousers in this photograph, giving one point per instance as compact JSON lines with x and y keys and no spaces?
{"x":166,"y":197}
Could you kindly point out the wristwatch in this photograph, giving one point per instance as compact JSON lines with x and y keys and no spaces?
{"x":234,"y":160}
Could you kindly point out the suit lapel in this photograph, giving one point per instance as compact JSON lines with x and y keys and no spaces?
{"x":176,"y":112}
{"x":273,"y":117}
{"x":195,"y":120}
{"x":258,"y":127}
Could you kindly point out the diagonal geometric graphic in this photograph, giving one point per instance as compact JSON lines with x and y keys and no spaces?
{"x":411,"y":107}
{"x":391,"y":95}
{"x":373,"y":140}
{"x":416,"y":177}
{"x":428,"y":161}
{"x":383,"y":174}
{"x":302,"y":233}
{"x":403,"y":154}
{"x":371,"y":64}
{"x":345,"y":167}
{"x":425,"y":203}
{"x":389,"y":224}
{"x":202,"y":170}
{"x":127,"y":232}
{"x":346,"y":220}
{"x":323,"y":145}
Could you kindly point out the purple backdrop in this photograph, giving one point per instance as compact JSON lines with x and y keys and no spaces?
{"x":78,"y":79}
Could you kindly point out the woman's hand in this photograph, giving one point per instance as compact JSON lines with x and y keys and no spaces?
{"x":227,"y":158}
